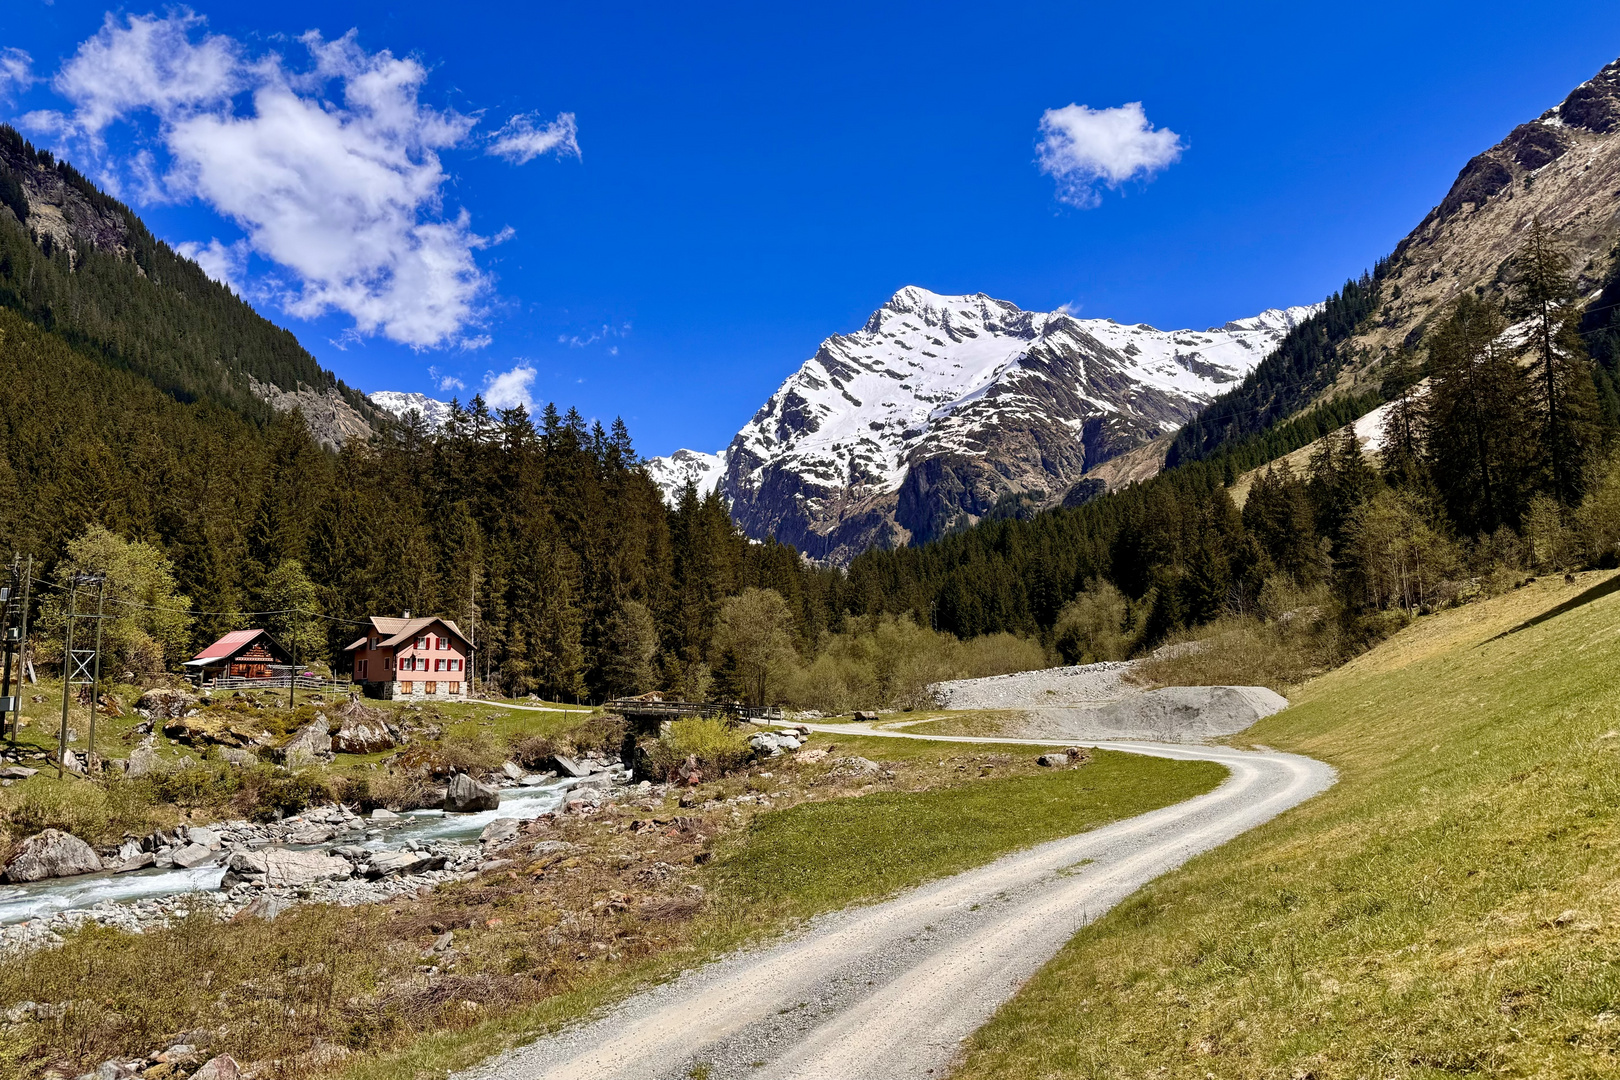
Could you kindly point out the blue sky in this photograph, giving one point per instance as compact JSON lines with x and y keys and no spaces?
{"x":751,"y":178}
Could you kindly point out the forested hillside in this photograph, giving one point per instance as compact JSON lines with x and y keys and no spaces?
{"x":80,"y":264}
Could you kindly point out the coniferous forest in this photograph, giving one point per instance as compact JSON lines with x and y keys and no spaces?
{"x":126,"y":409}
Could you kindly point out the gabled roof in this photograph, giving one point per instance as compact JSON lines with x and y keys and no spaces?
{"x":391,"y":632}
{"x":233,"y":643}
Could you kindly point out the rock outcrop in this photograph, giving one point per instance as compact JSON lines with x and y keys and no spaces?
{"x":309,"y":745}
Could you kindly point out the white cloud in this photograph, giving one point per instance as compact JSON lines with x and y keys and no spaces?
{"x":16,"y":72}
{"x":330,"y":167}
{"x":445,"y":383}
{"x":1082,"y":147}
{"x":510,"y":388}
{"x":520,"y":141}
{"x":225,"y":263}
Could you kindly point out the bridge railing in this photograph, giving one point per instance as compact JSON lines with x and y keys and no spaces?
{"x":676,"y":710}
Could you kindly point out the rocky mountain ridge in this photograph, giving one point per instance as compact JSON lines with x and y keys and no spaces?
{"x":941,"y":406}
{"x":400,"y":404}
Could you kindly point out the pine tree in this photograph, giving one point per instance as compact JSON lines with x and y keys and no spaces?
{"x":1564,"y":395}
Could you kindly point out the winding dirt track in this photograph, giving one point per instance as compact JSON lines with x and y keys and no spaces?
{"x":890,"y":990}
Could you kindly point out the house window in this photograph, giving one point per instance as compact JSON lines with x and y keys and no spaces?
{"x":444,"y":643}
{"x":438,"y":665}
{"x":360,"y":667}
{"x":407,"y":687}
{"x":432,"y":687}
{"x":455,"y":688}
{"x":421,"y":643}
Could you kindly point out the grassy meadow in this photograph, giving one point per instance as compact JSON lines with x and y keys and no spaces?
{"x":1451,"y":907}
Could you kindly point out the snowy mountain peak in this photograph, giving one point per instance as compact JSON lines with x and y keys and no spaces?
{"x":400,"y":403}
{"x":940,"y":405}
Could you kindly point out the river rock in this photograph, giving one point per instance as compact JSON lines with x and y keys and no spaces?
{"x":191,"y":855}
{"x":51,"y":854}
{"x":245,"y":866}
{"x":387,"y":863}
{"x":362,"y":736}
{"x":467,"y":796}
{"x":302,"y":867}
{"x":208,"y":838}
{"x":499,"y":831}
{"x":138,"y":861}
{"x":379,"y":814}
{"x":266,"y":906}
{"x":567,"y":766}
{"x":309,"y":745}
{"x":165,"y":704}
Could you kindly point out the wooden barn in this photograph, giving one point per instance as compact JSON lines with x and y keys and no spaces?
{"x":242,"y":654}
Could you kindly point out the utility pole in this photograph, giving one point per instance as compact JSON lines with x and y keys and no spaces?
{"x":292,"y":676}
{"x":9,"y":645}
{"x":95,"y":675}
{"x":67,"y":673}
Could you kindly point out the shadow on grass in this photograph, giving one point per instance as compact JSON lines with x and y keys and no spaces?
{"x":1596,"y":592}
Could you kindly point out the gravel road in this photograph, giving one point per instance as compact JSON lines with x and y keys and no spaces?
{"x":890,"y":990}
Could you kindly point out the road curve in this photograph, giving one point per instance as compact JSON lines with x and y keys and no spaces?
{"x":890,"y":990}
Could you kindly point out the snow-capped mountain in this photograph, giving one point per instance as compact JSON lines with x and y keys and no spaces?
{"x":939,"y":406}
{"x":399,"y":403}
{"x":674,"y":472}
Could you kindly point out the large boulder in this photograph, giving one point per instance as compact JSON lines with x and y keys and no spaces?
{"x":467,"y":796}
{"x":284,"y":867}
{"x":144,"y":761}
{"x":51,"y":854}
{"x":309,"y":745}
{"x":223,"y":1067}
{"x":165,"y":704}
{"x":361,"y":735}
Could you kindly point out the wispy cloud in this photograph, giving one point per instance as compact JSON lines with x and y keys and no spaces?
{"x":445,"y":383}
{"x":16,"y":73}
{"x":1081,"y":148}
{"x":602,"y":333}
{"x":328,"y":163}
{"x":523,"y":139}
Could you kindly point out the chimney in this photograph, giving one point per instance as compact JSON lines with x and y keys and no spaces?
{"x":407,"y":613}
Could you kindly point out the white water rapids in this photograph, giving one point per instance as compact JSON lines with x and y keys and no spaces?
{"x":21,"y":903}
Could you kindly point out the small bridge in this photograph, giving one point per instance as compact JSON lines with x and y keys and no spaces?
{"x":645,"y":712}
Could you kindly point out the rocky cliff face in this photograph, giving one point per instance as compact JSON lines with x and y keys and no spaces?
{"x":1563,"y":168}
{"x":941,"y":406}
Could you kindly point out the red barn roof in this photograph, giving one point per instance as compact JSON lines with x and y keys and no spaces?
{"x":228,"y":645}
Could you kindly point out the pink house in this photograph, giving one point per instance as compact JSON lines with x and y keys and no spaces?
{"x":412,"y":658}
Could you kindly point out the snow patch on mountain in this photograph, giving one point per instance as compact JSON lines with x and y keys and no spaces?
{"x":399,"y":403}
{"x":674,"y":472}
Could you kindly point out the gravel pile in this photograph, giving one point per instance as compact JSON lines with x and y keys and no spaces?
{"x":1093,"y":701}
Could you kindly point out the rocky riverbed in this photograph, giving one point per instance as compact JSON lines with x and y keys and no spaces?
{"x":328,"y":854}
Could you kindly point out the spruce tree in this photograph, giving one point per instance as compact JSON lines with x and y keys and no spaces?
{"x":1476,"y":433}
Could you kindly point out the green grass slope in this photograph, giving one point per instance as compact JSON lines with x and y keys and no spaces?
{"x":1451,"y":907}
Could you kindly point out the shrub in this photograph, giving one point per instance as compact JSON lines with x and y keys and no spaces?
{"x":533,"y":752}
{"x":715,"y":745}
